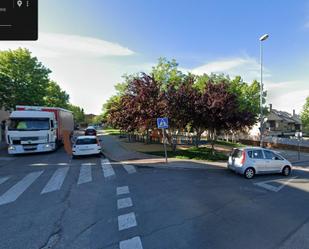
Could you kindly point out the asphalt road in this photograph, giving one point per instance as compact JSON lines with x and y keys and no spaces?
{"x":51,"y":201}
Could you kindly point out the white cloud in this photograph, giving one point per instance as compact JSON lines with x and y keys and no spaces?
{"x":86,"y":68}
{"x":291,"y":100}
{"x":247,"y":67}
{"x":273,"y":86}
{"x":52,"y":45}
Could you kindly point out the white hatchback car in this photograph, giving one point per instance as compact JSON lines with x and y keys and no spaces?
{"x":86,"y":145}
{"x":254,"y":160}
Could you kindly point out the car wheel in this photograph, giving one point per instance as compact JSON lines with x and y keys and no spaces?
{"x":249,"y":173}
{"x":286,"y":171}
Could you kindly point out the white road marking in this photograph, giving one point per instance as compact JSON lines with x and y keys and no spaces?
{"x":301,"y":168}
{"x":56,"y":180}
{"x":14,"y":192}
{"x":108,"y":170}
{"x":270,"y":187}
{"x":4,"y":179}
{"x":62,"y":164}
{"x":134,"y":243}
{"x":84,"y":174}
{"x":126,"y":221}
{"x":123,"y":190}
{"x":124,"y":203}
{"x":39,"y":164}
{"x":129,"y":168}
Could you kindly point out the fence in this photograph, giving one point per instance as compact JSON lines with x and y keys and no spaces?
{"x":177,"y":139}
{"x":278,"y":140}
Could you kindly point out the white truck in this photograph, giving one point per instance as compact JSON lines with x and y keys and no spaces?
{"x":37,"y":129}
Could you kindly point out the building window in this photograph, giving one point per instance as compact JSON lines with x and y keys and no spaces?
{"x":272,"y":124}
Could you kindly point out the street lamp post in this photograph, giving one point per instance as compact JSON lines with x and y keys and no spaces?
{"x":262,"y":38}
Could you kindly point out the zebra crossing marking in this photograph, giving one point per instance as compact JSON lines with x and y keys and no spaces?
{"x":124,"y":203}
{"x":20,"y":187}
{"x":133,"y":243}
{"x":108,"y":170}
{"x":56,"y":181}
{"x":58,"y":177}
{"x":126,"y":221}
{"x":123,"y":190}
{"x":84,"y":174}
{"x":129,"y":168}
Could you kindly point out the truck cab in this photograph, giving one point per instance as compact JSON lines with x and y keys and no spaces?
{"x":31,"y":131}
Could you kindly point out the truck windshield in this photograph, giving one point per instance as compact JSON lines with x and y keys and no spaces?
{"x":29,"y":124}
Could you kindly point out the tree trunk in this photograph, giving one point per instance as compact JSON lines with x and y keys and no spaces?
{"x":147,"y":136}
{"x":198,"y":137}
{"x":170,"y":138}
{"x":213,"y":138}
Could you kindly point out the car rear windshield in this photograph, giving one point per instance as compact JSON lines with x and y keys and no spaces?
{"x":86,"y":141}
{"x":90,"y":130}
{"x":236,"y":153}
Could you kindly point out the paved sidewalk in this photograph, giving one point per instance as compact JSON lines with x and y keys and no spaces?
{"x":113,"y":149}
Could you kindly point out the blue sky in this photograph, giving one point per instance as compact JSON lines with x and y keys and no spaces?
{"x":203,"y":36}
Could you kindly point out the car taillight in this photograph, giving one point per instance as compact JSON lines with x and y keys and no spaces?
{"x":243,"y":157}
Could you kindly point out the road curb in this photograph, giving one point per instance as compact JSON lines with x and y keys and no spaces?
{"x":208,"y":167}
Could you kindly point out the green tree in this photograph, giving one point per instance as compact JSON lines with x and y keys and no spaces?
{"x":55,"y":96}
{"x":6,"y":88}
{"x":24,"y":79}
{"x":166,"y":73}
{"x":78,"y":113}
{"x":248,"y":95}
{"x":305,"y":116}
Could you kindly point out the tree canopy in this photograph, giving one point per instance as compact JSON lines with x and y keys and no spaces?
{"x":305,"y":115}
{"x":25,"y":81}
{"x":55,"y":96}
{"x":207,"y":102}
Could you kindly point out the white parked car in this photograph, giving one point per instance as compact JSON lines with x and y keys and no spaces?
{"x":86,"y":145}
{"x":254,"y":160}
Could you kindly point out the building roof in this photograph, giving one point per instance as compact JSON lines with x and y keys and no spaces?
{"x":284,"y":116}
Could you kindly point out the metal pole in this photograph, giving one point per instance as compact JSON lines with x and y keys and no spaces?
{"x":261,"y":95}
{"x":298,"y":147}
{"x":164,"y":144}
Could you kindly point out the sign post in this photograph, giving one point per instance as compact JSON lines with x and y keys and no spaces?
{"x":162,"y":123}
{"x":299,"y":136}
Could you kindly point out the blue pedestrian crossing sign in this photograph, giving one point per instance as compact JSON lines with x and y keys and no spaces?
{"x":162,"y":123}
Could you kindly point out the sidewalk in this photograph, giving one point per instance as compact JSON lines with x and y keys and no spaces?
{"x":113,"y":149}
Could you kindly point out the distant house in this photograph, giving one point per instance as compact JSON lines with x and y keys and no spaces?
{"x":277,"y":124}
{"x":280,"y":123}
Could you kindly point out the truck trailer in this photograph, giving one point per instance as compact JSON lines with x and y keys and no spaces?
{"x":34,"y":129}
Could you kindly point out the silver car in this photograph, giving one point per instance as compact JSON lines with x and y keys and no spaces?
{"x":249,"y":161}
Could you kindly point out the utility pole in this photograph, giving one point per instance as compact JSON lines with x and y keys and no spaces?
{"x":262,"y":38}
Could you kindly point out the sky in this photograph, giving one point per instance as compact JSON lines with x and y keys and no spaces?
{"x":90,"y":45}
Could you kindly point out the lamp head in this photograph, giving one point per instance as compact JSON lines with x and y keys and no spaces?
{"x":264,"y":37}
